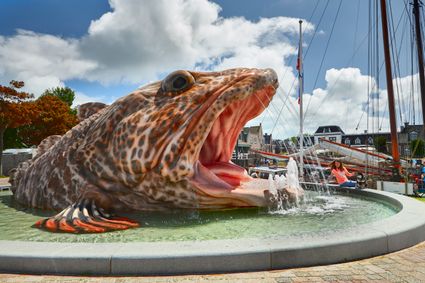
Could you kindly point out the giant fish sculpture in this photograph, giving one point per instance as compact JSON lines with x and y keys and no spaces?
{"x":167,"y":145}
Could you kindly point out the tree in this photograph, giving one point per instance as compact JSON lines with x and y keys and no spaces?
{"x":65,"y":94}
{"x":12,"y":139}
{"x":16,"y":109}
{"x":417,"y":148}
{"x":53,"y":118}
{"x":380,"y":144}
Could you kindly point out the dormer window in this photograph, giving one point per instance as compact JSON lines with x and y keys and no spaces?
{"x":413,"y":136}
{"x":357,"y":141}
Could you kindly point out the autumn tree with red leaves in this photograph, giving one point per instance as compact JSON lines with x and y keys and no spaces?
{"x":53,"y":118}
{"x":16,"y":109}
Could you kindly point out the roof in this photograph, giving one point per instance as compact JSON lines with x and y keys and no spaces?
{"x":374,"y":135}
{"x":329,"y":129}
{"x":410,"y":128}
{"x":253,"y":129}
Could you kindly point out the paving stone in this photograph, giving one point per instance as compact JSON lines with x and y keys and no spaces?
{"x":375,"y":269}
{"x":329,"y":278}
{"x":288,"y":275}
{"x":403,"y":266}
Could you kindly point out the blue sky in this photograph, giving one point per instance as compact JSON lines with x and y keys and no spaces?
{"x":75,"y":43}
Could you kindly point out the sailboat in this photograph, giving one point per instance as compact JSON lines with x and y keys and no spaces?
{"x":387,"y":169}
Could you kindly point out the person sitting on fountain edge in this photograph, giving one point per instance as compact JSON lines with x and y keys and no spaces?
{"x":341,"y":174}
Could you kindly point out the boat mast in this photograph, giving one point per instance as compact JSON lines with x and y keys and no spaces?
{"x":390,"y":89}
{"x":300,"y":98}
{"x":416,"y":13}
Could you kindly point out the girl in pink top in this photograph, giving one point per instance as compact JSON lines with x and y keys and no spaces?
{"x":341,"y":173}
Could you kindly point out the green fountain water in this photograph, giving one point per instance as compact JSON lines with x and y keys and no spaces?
{"x":319,"y":213}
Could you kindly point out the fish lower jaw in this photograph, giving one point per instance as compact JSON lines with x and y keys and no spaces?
{"x":228,"y":185}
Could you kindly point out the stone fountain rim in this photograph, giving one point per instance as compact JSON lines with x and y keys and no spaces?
{"x":402,"y":230}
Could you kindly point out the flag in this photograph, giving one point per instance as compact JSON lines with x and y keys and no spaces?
{"x":300,"y":73}
{"x":298,"y":61}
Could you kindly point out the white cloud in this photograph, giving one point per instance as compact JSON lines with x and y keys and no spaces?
{"x":40,"y":60}
{"x":81,"y":98}
{"x":38,"y":84}
{"x":137,"y":41}
{"x":343,"y":102}
{"x":409,"y":98}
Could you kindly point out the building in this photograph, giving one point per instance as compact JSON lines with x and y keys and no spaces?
{"x":279,"y":146}
{"x":331,"y":133}
{"x":407,"y":134}
{"x":336,"y":134}
{"x":254,"y":136}
{"x":251,"y":138}
{"x":365,"y":139}
{"x":293,"y":145}
{"x":268,"y":143}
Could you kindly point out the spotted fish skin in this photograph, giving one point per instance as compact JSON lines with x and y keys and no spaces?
{"x":138,"y":153}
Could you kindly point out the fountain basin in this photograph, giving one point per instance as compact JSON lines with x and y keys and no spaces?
{"x":402,"y":230}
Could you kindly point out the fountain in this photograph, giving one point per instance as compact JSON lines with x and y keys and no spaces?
{"x":322,"y":229}
{"x":197,"y":211}
{"x":284,"y":191}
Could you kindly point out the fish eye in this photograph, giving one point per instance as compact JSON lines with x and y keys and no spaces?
{"x":177,"y":81}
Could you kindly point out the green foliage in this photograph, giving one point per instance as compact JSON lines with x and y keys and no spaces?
{"x":380,"y":144}
{"x":417,"y":148}
{"x":65,"y":94}
{"x":12,"y":139}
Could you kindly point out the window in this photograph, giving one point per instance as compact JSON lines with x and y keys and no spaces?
{"x":370,"y":140}
{"x":333,"y":139}
{"x":358,"y":141}
{"x":347,"y":141}
{"x":413,"y":136}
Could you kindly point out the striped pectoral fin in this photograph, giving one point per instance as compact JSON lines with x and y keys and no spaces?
{"x":84,"y":217}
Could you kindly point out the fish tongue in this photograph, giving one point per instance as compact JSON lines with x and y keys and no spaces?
{"x":229,"y":172}
{"x":206,"y":179}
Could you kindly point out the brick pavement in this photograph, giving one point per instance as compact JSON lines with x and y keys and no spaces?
{"x":404,"y":266}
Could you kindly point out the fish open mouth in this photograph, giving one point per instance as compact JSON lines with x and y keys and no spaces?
{"x":215,"y":174}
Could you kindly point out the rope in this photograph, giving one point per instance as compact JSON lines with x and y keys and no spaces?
{"x":399,"y":89}
{"x":290,"y":63}
{"x":324,"y":54}
{"x":317,"y":28}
